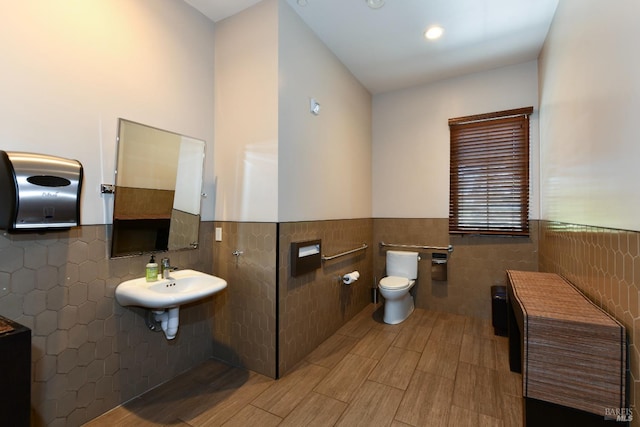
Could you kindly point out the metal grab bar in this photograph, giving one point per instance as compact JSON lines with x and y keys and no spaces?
{"x":438,"y":248}
{"x":361,"y":248}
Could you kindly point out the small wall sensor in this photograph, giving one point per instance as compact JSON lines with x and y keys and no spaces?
{"x":314,"y":107}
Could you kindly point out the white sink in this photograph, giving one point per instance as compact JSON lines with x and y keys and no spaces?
{"x":183,"y":287}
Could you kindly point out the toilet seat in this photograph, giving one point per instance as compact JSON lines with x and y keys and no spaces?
{"x":395,"y":283}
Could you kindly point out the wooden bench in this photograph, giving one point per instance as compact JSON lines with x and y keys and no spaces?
{"x":571,"y":353}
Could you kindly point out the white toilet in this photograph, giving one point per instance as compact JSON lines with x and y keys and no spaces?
{"x":402,"y":270}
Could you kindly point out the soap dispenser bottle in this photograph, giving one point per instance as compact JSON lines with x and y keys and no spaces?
{"x":152,"y":270}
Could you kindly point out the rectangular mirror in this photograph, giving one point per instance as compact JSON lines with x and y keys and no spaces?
{"x":158,"y":190}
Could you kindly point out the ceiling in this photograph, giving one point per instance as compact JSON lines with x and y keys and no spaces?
{"x":220,"y":9}
{"x":386,"y":50}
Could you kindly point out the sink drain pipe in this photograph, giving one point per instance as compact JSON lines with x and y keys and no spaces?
{"x":169,"y":320}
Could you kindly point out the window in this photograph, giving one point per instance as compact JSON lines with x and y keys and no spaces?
{"x":489,"y":175}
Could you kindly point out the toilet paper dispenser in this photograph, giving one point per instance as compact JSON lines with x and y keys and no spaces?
{"x":438,"y":266}
{"x":38,"y":191}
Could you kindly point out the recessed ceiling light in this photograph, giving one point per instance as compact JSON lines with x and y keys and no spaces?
{"x":302,"y":2}
{"x":375,"y":4}
{"x":434,"y":32}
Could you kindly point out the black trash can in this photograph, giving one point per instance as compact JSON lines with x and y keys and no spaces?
{"x":15,"y":375}
{"x":499,"y":310}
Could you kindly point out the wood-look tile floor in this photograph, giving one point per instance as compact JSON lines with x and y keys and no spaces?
{"x":434,"y":369}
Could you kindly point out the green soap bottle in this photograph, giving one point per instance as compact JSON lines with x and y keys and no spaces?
{"x":152,"y":270}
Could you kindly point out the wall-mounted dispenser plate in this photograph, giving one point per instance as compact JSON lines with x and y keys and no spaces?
{"x":305,"y":257}
{"x":439,"y":267}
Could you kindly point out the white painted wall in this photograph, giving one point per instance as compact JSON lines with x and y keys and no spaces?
{"x":246,"y":115}
{"x":274,"y":160}
{"x":324,"y":160}
{"x":589,"y":103}
{"x":71,"y":69}
{"x":411,"y":137}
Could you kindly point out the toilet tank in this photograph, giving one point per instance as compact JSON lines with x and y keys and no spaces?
{"x":402,"y":264}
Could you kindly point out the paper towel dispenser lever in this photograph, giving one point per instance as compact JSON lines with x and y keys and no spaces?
{"x":38,"y":191}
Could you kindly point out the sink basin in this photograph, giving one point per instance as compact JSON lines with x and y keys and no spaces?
{"x":183,"y":287}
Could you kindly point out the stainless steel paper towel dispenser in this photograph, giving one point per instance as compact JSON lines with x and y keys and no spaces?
{"x":38,"y":191}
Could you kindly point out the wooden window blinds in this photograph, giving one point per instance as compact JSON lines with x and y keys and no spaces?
{"x":489,"y":173}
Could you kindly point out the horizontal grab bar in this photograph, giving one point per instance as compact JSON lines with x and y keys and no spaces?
{"x":438,"y":248}
{"x":361,"y":248}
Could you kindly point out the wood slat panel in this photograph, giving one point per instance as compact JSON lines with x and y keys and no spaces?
{"x":574,"y":352}
{"x":5,"y":327}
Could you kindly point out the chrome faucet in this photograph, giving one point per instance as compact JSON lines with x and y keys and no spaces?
{"x":166,"y":268}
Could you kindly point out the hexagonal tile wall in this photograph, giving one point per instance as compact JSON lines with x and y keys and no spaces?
{"x":88,"y":353}
{"x":605,"y":265}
